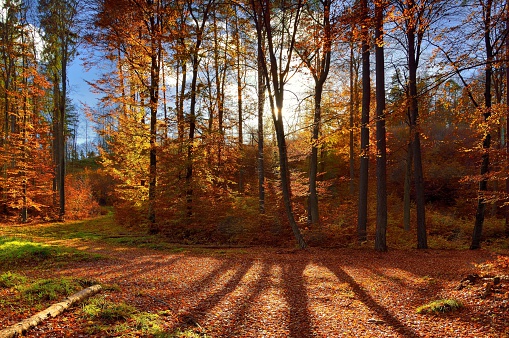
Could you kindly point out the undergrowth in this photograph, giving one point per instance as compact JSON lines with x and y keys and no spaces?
{"x":105,"y":315}
{"x":439,"y":306}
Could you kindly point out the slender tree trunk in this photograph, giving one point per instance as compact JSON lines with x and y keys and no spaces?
{"x":285,"y":177}
{"x":61,"y":131}
{"x":422,"y":241}
{"x":381,"y":158}
{"x":320,"y":74}
{"x":180,"y":110}
{"x":239,"y":102}
{"x":313,"y":216}
{"x":507,"y":118}
{"x":364,"y":161}
{"x":154,"y":101}
{"x":352,"y":113}
{"x":195,"y":60}
{"x":408,"y":182}
{"x":485,"y":162}
{"x":24,"y":150}
{"x":261,"y":108}
{"x":190,"y":146}
{"x":276,"y":74}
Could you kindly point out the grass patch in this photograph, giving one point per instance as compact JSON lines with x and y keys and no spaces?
{"x":103,"y":228}
{"x":102,"y":309}
{"x":49,"y":289}
{"x":439,"y":306}
{"x":188,"y":333}
{"x":118,"y":317}
{"x":20,"y":252}
{"x":10,"y":279}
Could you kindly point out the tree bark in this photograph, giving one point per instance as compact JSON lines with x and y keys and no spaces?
{"x":54,"y":310}
{"x":486,"y":144}
{"x":352,"y":105}
{"x":195,"y":60}
{"x":507,"y":118}
{"x":381,"y":158}
{"x":320,"y":75}
{"x":261,"y":108}
{"x":366,"y":100}
{"x":408,"y":182}
{"x":275,"y":73}
{"x":413,"y":56}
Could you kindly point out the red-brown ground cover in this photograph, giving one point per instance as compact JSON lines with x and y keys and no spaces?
{"x":261,"y":292}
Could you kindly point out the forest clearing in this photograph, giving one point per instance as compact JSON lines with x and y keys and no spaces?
{"x":257,"y":168}
{"x":156,"y":289}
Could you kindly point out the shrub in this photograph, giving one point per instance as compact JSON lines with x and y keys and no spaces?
{"x":80,"y":202}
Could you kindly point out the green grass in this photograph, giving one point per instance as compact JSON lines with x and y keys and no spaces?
{"x":49,"y":289}
{"x":117,"y":317}
{"x":100,"y":308}
{"x":103,"y":228}
{"x":188,"y":333}
{"x":28,"y":293}
{"x":439,"y":306}
{"x":19,"y":252}
{"x":10,"y":279}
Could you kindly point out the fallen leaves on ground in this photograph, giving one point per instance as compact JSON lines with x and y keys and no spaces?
{"x":262,"y":292}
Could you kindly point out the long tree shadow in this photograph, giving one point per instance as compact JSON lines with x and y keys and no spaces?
{"x":196,"y":313}
{"x":297,"y":299}
{"x":241,"y":311}
{"x":363,"y":296}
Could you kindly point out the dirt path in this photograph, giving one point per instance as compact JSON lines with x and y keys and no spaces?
{"x":263,"y":292}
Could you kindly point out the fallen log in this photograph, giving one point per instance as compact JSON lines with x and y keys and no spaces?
{"x":54,"y":310}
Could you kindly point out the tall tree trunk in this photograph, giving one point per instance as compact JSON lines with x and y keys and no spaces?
{"x":320,"y":74}
{"x":366,"y":100}
{"x":353,"y":88}
{"x":285,"y":176}
{"x":313,"y":216}
{"x":154,"y":102}
{"x":239,"y":101}
{"x":181,"y":97}
{"x":195,"y":60}
{"x":422,"y":241}
{"x":381,"y":158}
{"x":407,"y":186}
{"x":485,"y":162}
{"x":261,"y":108}
{"x":61,"y":130}
{"x":192,"y":129}
{"x":275,"y":73}
{"x":507,"y":116}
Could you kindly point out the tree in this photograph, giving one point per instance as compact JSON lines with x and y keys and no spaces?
{"x":487,"y":18}
{"x":381,"y":156}
{"x":199,"y":20}
{"x":275,"y":62}
{"x":261,"y":89}
{"x":481,"y":34}
{"x":140,"y":51}
{"x":58,"y":20}
{"x":507,"y":115}
{"x":362,"y":217}
{"x":317,"y":58}
{"x":24,"y":150}
{"x":416,"y":20}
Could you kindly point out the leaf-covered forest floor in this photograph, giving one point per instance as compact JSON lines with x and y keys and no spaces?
{"x":259,"y":292}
